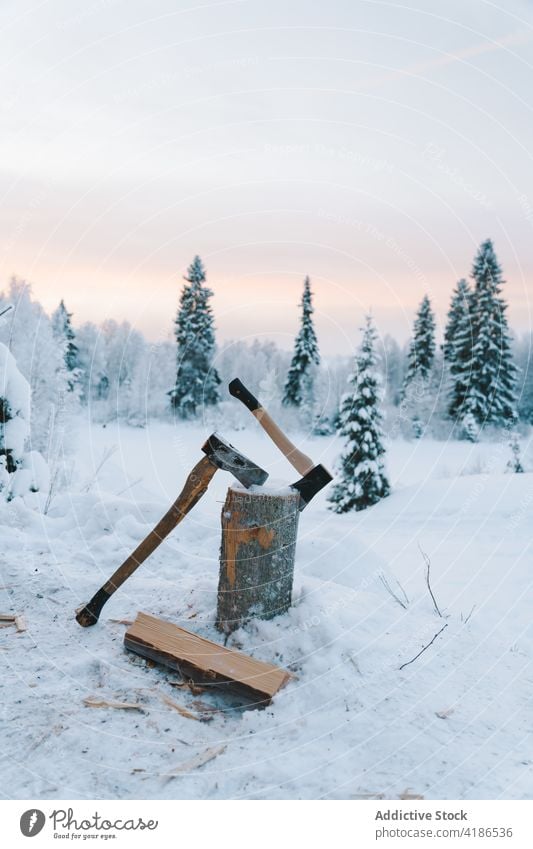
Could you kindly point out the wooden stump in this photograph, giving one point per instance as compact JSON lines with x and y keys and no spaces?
{"x":256,"y":556}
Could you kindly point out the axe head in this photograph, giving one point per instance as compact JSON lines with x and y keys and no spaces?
{"x":225,"y":456}
{"x":316,"y":479}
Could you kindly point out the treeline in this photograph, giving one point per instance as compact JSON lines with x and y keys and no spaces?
{"x":476,"y":376}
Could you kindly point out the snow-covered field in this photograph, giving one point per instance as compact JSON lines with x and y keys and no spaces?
{"x":456,"y":723}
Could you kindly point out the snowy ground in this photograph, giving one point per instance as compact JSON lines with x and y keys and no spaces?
{"x":456,"y":723}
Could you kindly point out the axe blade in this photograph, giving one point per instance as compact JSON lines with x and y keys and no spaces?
{"x":311,"y":483}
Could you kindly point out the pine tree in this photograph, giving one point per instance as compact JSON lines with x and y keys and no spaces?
{"x":419,"y":379}
{"x":197,"y":380}
{"x":363,"y":481}
{"x":421,"y":352}
{"x":63,"y":332}
{"x":299,"y":390}
{"x":490,"y":394}
{"x":458,"y":314}
{"x":457,"y":349}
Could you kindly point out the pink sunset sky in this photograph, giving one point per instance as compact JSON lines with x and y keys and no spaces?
{"x":370,"y":145}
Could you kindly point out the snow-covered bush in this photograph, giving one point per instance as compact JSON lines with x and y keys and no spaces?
{"x":21,"y":471}
{"x":28,"y":334}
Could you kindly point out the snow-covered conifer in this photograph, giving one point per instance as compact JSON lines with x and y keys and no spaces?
{"x":362,"y":478}
{"x":421,"y":352}
{"x":457,"y":349}
{"x":420,"y":379}
{"x":458,"y":316}
{"x":299,"y":385}
{"x":197,"y":380}
{"x":63,"y":332}
{"x":490,"y":394}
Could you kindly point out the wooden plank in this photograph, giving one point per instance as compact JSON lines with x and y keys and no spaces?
{"x":204,"y":661}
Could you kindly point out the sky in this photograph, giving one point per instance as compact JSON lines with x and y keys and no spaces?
{"x":370,"y":145}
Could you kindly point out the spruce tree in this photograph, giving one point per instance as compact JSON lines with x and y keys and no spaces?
{"x":363,"y":481}
{"x":490,"y":395}
{"x":419,"y":380}
{"x":457,"y":348}
{"x":421,"y":354}
{"x":197,"y":380}
{"x":63,"y":332}
{"x":299,"y":390}
{"x":457,"y":314}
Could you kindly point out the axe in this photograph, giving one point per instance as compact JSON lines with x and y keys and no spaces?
{"x":314,"y":477}
{"x":219,"y":454}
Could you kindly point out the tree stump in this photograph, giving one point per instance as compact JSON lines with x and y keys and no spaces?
{"x":256,"y":556}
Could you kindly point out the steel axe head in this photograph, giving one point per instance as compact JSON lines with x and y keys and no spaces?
{"x":224,"y":456}
{"x":316,"y":479}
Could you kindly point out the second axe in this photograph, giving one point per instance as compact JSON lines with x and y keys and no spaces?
{"x":315,"y":476}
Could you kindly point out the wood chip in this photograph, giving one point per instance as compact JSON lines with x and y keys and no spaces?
{"x":195,"y":689}
{"x":7,"y":617}
{"x":195,"y":763}
{"x":408,"y":794}
{"x":122,"y":621}
{"x":368,"y":796}
{"x":203,"y":707}
{"x":95,"y":702}
{"x":444,"y":714}
{"x":20,"y":623}
{"x":175,"y":706}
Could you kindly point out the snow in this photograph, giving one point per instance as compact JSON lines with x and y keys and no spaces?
{"x":350,"y":723}
{"x":31,"y":472}
{"x":14,"y":386}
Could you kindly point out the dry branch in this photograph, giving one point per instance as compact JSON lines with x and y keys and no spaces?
{"x":391,"y":592}
{"x":424,"y":648}
{"x":469,"y":615}
{"x":428,"y":567}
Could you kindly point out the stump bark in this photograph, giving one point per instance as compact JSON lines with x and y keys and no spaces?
{"x":256,"y":556}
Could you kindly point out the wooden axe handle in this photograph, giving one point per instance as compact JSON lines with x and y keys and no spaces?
{"x":195,"y":486}
{"x":301,"y":462}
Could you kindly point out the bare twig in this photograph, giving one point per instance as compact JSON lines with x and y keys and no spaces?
{"x":469,"y":615}
{"x":391,"y":592}
{"x":424,"y":649}
{"x":428,"y":567}
{"x":52,"y":488}
{"x":107,"y":454}
{"x":129,"y":486}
